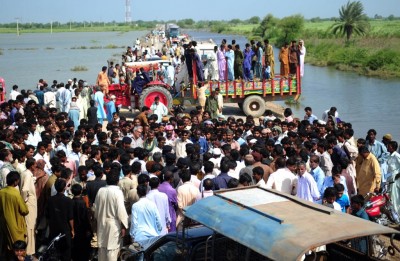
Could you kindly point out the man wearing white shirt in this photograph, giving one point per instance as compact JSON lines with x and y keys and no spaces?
{"x":282,"y":179}
{"x":180,"y":144}
{"x":42,"y":154}
{"x":14,"y":93}
{"x":50,"y":99}
{"x":159,"y":109}
{"x":258,"y":174}
{"x":161,"y":201}
{"x":33,"y":137}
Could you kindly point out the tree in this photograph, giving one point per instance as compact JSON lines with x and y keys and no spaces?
{"x":352,"y":19}
{"x":235,"y":21}
{"x":267,"y":27}
{"x":290,"y":28}
{"x":254,"y":20}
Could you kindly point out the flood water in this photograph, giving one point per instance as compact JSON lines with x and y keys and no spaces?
{"x":365,"y":102}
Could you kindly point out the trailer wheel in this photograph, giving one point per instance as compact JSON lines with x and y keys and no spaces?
{"x":254,"y":105}
{"x":148,"y":95}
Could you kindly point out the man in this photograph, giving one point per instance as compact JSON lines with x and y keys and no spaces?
{"x":378,"y":149}
{"x":307,"y":188}
{"x":170,"y":74}
{"x":269,"y":57}
{"x":28,"y":193}
{"x":393,"y":173}
{"x":187,"y":194}
{"x":180,"y":144}
{"x":331,"y":112}
{"x":212,"y":105}
{"x":310,"y":117}
{"x":137,"y":141}
{"x":247,"y":60}
{"x":325,"y":160}
{"x":99,"y":100}
{"x":284,"y":59}
{"x":229,"y":140}
{"x":258,"y":62}
{"x":12,"y":212}
{"x":230,"y":59}
{"x":159,"y":109}
{"x":293,"y":57}
{"x":6,"y":157}
{"x":238,"y":64}
{"x":201,"y":141}
{"x":60,"y":215}
{"x":143,"y":116}
{"x":94,"y":186}
{"x":14,"y":93}
{"x":282,"y":179}
{"x":316,"y":172}
{"x":220,"y":100}
{"x":145,"y":219}
{"x":368,"y":172}
{"x":357,"y":207}
{"x":111,"y":216}
{"x":221,"y":181}
{"x":161,"y":201}
{"x":258,"y":174}
{"x":102,"y":80}
{"x":258,"y":163}
{"x":111,"y":108}
{"x":166,"y":187}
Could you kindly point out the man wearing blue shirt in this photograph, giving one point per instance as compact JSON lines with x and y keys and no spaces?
{"x":201,"y":141}
{"x":317,"y":173}
{"x":309,"y":116}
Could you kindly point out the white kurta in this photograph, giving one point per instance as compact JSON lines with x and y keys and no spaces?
{"x":28,"y":193}
{"x":110,"y":213}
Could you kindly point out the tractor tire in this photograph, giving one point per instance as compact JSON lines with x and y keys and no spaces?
{"x":148,"y":95}
{"x":240,"y":105}
{"x":254,"y":105}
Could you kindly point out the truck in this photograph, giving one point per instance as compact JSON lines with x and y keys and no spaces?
{"x":172,"y":31}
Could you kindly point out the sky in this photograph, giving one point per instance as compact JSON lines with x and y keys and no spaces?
{"x":45,"y":11}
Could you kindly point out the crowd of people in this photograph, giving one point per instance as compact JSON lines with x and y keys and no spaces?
{"x":102,"y":185}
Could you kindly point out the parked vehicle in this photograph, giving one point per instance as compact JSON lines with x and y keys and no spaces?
{"x":380,"y":209}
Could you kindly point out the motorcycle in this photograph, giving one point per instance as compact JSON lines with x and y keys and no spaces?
{"x":380,"y":209}
{"x":45,"y":252}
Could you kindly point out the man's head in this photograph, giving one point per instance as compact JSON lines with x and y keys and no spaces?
{"x":13,"y":179}
{"x":60,"y":185}
{"x":258,"y":173}
{"x":157,"y":100}
{"x":154,"y":182}
{"x":141,"y":190}
{"x":357,"y":202}
{"x":363,"y":151}
{"x":208,"y":184}
{"x":19,"y":248}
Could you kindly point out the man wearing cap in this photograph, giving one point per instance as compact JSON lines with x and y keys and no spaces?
{"x":111,"y":108}
{"x":169,"y":135}
{"x":102,"y":80}
{"x":159,"y":109}
{"x":216,"y":159}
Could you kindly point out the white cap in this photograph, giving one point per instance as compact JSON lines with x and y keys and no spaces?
{"x":253,"y":141}
{"x":217,"y":151}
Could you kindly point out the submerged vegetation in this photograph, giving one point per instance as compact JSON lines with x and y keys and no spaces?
{"x":79,"y":68}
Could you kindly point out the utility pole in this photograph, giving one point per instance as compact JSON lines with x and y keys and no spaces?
{"x":51,"y":27}
{"x":128,"y":17}
{"x":17,"y":18}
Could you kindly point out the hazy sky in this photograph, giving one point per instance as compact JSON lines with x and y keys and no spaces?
{"x":109,"y":10}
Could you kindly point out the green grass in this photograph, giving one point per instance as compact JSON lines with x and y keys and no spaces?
{"x":79,"y":68}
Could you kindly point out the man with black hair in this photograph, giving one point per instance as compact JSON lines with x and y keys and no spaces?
{"x":166,"y":187}
{"x":145,"y":219}
{"x":93,"y":187}
{"x":109,"y":205}
{"x":12,"y":212}
{"x":258,"y":174}
{"x":161,"y":201}
{"x":221,"y":181}
{"x":208,"y":186}
{"x":187,"y":194}
{"x":127,"y":184}
{"x":81,"y":225}
{"x":59,"y":213}
{"x":282,"y":179}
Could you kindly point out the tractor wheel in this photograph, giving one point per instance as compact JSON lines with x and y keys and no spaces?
{"x":148,"y":95}
{"x":254,"y":105}
{"x":240,"y":105}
